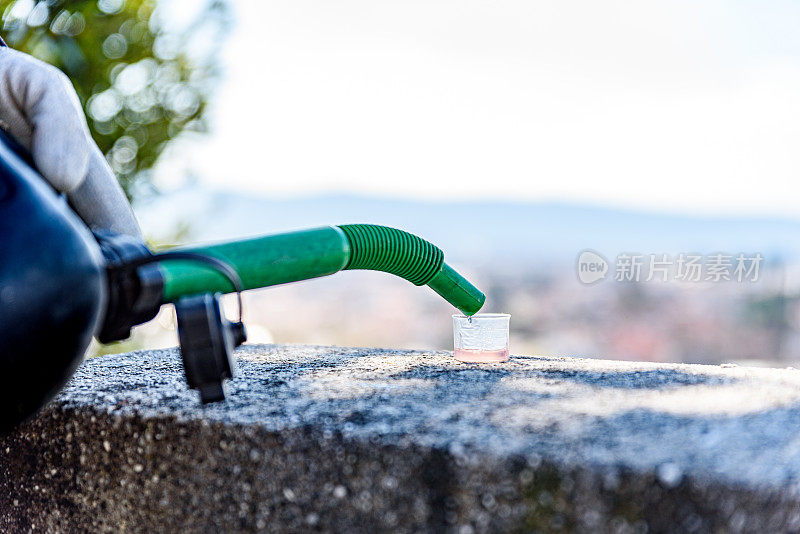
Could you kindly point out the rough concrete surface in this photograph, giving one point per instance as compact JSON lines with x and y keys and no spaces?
{"x":363,"y":440}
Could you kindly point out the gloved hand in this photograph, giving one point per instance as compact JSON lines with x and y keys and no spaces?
{"x":40,"y":110}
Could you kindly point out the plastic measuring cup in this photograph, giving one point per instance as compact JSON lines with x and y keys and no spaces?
{"x":481,"y":338}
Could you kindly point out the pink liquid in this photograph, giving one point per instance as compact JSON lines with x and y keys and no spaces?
{"x":481,"y":356}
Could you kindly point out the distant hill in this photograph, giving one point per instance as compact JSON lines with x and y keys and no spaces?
{"x":489,"y":231}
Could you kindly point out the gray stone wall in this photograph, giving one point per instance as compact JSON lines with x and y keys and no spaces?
{"x":363,"y":440}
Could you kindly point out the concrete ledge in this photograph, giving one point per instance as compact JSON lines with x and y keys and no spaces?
{"x":359,"y":440}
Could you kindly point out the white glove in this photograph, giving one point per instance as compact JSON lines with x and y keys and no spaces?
{"x":40,"y":109}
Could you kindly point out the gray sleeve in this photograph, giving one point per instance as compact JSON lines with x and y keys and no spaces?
{"x":40,"y":109}
{"x":100,"y":201}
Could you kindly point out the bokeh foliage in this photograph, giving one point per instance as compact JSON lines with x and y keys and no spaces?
{"x":138,"y":79}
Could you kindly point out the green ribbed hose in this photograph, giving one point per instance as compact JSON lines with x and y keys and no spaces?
{"x":380,"y":248}
{"x":293,"y":256}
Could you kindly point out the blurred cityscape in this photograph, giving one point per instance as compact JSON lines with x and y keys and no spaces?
{"x":756,"y":320}
{"x":552,"y":313}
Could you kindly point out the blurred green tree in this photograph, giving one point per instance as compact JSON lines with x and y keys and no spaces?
{"x":142,"y":82}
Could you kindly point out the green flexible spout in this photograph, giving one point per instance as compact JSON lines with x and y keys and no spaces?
{"x":301,"y":255}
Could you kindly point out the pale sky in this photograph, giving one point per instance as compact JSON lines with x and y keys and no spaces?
{"x":675,"y":105}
